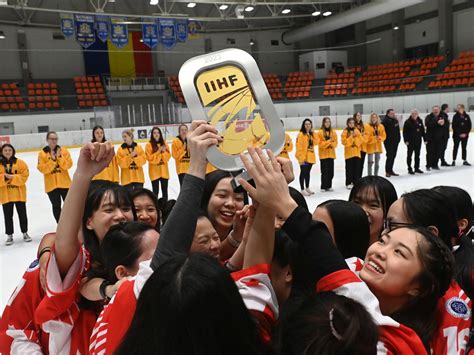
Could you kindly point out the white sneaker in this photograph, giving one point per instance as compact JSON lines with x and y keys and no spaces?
{"x":349,"y":187}
{"x":26,"y":237}
{"x":308,"y":190}
{"x":305,"y":193}
{"x":329,"y":190}
{"x":9,"y":239}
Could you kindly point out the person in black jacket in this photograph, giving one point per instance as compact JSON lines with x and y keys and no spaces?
{"x":413,"y":134}
{"x":392,"y":128}
{"x":444,"y":113}
{"x":434,"y":137}
{"x":462,"y":125}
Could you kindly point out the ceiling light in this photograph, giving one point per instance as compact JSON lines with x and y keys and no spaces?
{"x":141,"y":40}
{"x":249,"y":8}
{"x":191,"y":5}
{"x":223,"y":7}
{"x":2,"y":35}
{"x":396,"y":27}
{"x":154,"y":2}
{"x":111,"y":0}
{"x":327,"y":13}
{"x":251,"y":42}
{"x":285,"y":11}
{"x":316,"y":13}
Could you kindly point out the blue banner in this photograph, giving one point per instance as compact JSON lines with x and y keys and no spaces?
{"x":102,"y":27}
{"x":168,"y":33}
{"x":150,"y":34}
{"x":85,"y":30}
{"x":67,"y":24}
{"x":182,"y":30}
{"x":118,"y":32}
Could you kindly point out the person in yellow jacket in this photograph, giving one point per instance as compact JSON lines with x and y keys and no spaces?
{"x":305,"y":143}
{"x":352,"y":141}
{"x":110,"y":173}
{"x":180,"y":152}
{"x":13,"y":176}
{"x":54,"y":162}
{"x":131,"y":158}
{"x":210,"y":168}
{"x":288,"y":147}
{"x":327,"y":138}
{"x":375,"y":134}
{"x":158,"y":156}
{"x":359,"y":124}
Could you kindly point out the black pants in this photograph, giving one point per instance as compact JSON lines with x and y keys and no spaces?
{"x":133,"y":186}
{"x":55,"y":197}
{"x":327,"y":173}
{"x":434,"y":151}
{"x":8,"y":214}
{"x":352,"y":170}
{"x":412,"y":148}
{"x":463,"y":142}
{"x":445,"y":145}
{"x":304,"y":175}
{"x":391,"y":154}
{"x":361,"y":164}
{"x":180,"y":178}
{"x":164,"y":187}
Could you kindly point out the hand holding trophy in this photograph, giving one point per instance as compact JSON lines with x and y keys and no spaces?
{"x":227,"y":89}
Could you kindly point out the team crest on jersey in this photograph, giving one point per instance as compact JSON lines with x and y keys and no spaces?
{"x":458,"y":308}
{"x":33,"y":266}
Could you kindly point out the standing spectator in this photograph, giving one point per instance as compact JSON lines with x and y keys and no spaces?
{"x":375,"y":135}
{"x":13,"y":175}
{"x":327,"y":153}
{"x":352,"y":140}
{"x":305,"y":154}
{"x":110,"y":173}
{"x":359,"y":124}
{"x":131,"y":158}
{"x":413,"y":133}
{"x":434,"y":137}
{"x":158,"y":155}
{"x":288,"y":147}
{"x":180,"y":152}
{"x":54,"y":162}
{"x":392,"y":129}
{"x":462,"y":125}
{"x":445,"y":114}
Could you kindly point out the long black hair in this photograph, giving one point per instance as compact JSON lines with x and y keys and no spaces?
{"x":153,"y":142}
{"x":93,"y":140}
{"x":190,"y":305}
{"x":302,"y":129}
{"x":3,"y":159}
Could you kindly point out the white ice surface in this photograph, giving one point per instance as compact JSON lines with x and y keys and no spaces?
{"x":15,"y":259}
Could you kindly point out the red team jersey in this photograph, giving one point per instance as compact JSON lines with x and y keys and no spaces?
{"x":114,"y":321}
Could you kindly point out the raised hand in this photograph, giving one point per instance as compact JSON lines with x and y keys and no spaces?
{"x":94,"y":157}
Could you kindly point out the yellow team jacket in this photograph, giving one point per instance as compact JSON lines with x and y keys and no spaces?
{"x":13,"y":190}
{"x":56,"y":175}
{"x":375,"y":135}
{"x":180,"y":155}
{"x":363,"y":147}
{"x":210,"y":168}
{"x":157,"y":162}
{"x":327,"y":147}
{"x":110,"y":173}
{"x":351,"y":143}
{"x":305,"y":148}
{"x":131,"y":169}
{"x":287,"y":148}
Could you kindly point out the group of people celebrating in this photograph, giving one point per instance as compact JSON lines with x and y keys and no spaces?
{"x":253,"y":272}
{"x":368,"y":139}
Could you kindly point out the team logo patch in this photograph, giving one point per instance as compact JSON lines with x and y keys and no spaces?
{"x":33,"y":265}
{"x":458,"y":308}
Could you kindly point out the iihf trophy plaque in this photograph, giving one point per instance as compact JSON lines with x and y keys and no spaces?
{"x":226,"y":89}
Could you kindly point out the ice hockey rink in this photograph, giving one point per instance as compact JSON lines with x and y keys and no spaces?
{"x":15,"y":259}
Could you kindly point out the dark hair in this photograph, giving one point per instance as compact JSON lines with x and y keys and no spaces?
{"x":317,"y":322}
{"x":324,"y":120}
{"x":444,"y":107}
{"x":122,"y":245}
{"x":93,"y":134}
{"x":460,"y":200}
{"x":426,"y":207}
{"x":349,"y":119}
{"x":388,"y":111}
{"x":153,"y":142}
{"x":302,"y":129}
{"x":190,"y":305}
{"x":212,"y":179}
{"x":97,"y":191}
{"x":298,"y":198}
{"x":351,"y":227}
{"x":165,"y":207}
{"x":383,"y":190}
{"x":359,"y":125}
{"x":152,"y":196}
{"x":50,"y":133}
{"x":7,"y":145}
{"x":435,"y":278}
{"x":179,"y":128}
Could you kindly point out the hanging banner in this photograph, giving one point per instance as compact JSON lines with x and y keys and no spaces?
{"x":182,"y":30}
{"x":168,"y":33}
{"x":84,"y":30}
{"x":150,"y":34}
{"x":102,"y":27}
{"x":118,"y":32}
{"x":67,"y":24}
